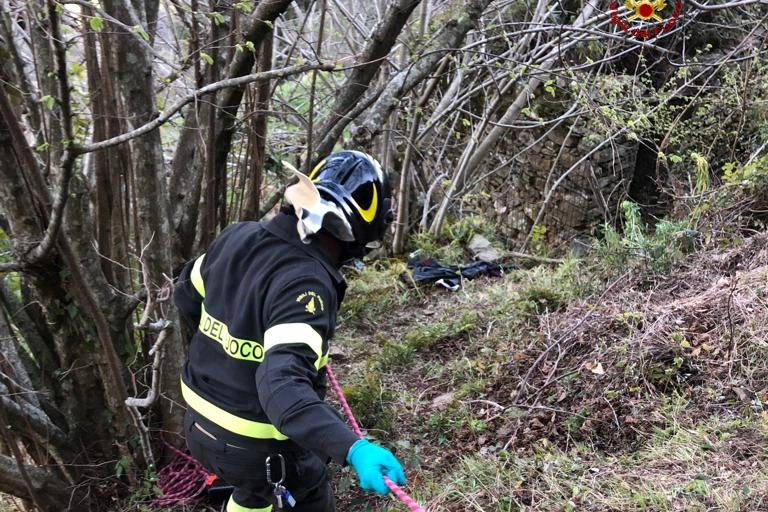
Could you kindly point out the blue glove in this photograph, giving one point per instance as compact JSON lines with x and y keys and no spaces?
{"x":372,"y":463}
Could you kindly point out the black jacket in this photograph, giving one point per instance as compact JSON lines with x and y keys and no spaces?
{"x":265,"y":305}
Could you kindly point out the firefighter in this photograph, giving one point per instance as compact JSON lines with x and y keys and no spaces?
{"x":263,"y":300}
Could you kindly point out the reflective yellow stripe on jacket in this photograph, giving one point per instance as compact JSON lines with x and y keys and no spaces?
{"x":229,"y":421}
{"x":296,"y":333}
{"x":233,"y":506}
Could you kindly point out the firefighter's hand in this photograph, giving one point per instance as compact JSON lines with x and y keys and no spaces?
{"x":372,"y":463}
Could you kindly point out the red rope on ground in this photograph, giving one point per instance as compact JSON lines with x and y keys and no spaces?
{"x":397,"y":491}
{"x":181,"y":482}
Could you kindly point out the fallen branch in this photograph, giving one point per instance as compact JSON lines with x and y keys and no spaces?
{"x":541,"y":259}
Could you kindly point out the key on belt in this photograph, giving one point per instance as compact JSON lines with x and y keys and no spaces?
{"x":280,"y":492}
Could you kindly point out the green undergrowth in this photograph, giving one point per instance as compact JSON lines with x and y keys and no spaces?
{"x":375,"y":292}
{"x":648,"y":248}
{"x":451,"y":245}
{"x":403,"y":337}
{"x":601,"y":384}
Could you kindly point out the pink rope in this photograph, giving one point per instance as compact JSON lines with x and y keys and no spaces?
{"x":396,"y":490}
{"x":181,"y":481}
{"x":343,"y":400}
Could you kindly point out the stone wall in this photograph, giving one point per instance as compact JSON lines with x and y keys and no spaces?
{"x":587,"y":197}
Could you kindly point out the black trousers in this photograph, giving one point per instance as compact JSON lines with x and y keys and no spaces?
{"x":241,"y":462}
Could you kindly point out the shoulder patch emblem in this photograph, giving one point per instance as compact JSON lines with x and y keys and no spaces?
{"x":312,"y":302}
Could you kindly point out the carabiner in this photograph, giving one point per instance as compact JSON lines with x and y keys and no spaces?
{"x":269,"y":470}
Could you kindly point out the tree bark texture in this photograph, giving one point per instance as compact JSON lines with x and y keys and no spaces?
{"x":134,"y":70}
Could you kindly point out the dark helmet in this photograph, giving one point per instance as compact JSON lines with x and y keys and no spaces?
{"x":357,"y":185}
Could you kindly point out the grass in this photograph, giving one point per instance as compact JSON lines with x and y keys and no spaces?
{"x":671,"y":473}
{"x":656,"y":426}
{"x":375,"y":291}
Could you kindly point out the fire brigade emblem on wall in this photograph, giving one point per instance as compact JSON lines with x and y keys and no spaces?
{"x":645,"y":18}
{"x":645,"y":10}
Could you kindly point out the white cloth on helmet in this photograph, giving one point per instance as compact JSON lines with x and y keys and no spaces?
{"x":311,"y":210}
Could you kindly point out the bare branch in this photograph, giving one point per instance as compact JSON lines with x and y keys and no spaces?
{"x":376,"y":52}
{"x":727,"y":5}
{"x":15,"y":476}
{"x":133,"y":403}
{"x":195,"y":95}
{"x":157,"y":352}
{"x":68,"y":156}
{"x":406,"y":79}
{"x":21,"y":468}
{"x":12,"y":267}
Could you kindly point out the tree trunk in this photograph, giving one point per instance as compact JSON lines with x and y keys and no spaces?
{"x":357,"y":83}
{"x":258,"y":135}
{"x":134,"y":65}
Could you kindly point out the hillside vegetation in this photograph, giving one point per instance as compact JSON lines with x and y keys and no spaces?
{"x":618,"y":363}
{"x":633,"y":379}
